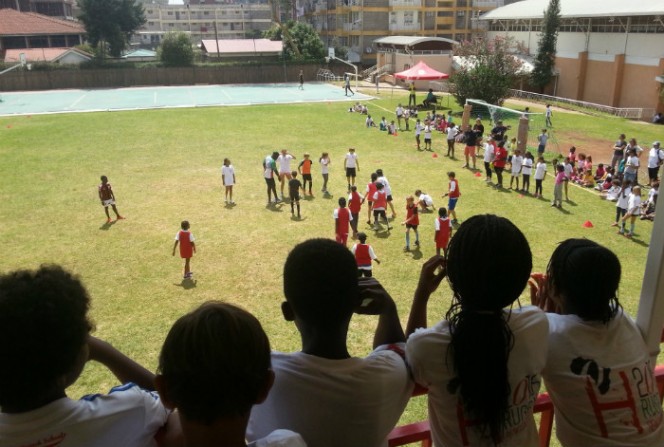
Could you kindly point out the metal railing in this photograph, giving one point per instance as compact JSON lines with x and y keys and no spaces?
{"x":636,"y":113}
{"x":326,"y":75}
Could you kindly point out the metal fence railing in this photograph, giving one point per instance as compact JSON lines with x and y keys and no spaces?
{"x":636,"y":113}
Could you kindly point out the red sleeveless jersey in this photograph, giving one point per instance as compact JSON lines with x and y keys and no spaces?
{"x":410,"y":212}
{"x":443,"y":235}
{"x":355,"y":202}
{"x":380,"y":199}
{"x":456,"y":193}
{"x":371,"y":190}
{"x":362,"y":255}
{"x":343,"y":220}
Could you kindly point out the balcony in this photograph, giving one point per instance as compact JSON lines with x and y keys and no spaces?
{"x":413,"y":3}
{"x":488,"y":3}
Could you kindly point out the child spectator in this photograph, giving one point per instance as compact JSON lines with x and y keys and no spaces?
{"x":406,"y":119}
{"x":443,"y":231}
{"x":228,"y":176}
{"x":517,"y":162}
{"x":369,"y":194}
{"x":269,"y":173}
{"x":324,"y":169}
{"x":453,"y":194}
{"x":329,"y":397}
{"x":369,"y":122}
{"x":428,"y":128}
{"x":424,"y":200}
{"x":452,"y":132}
{"x":541,"y":142}
{"x":364,"y":254}
{"x":342,"y":218}
{"x":540,"y":173}
{"x":558,"y":187}
{"x":499,"y":161}
{"x":107,"y":198}
{"x":187,"y":247}
{"x":412,"y":222}
{"x":305,"y":171}
{"x":655,"y":159}
{"x":611,"y":194}
{"x":572,"y":156}
{"x":589,"y":163}
{"x":489,"y":155}
{"x":581,"y":165}
{"x":379,"y":205}
{"x":633,"y":211}
{"x":526,"y":170}
{"x":587,"y":181}
{"x":392,"y":128}
{"x":418,"y":131}
{"x":383,"y":124}
{"x":213,"y":368}
{"x":46,"y":331}
{"x":632,"y":167}
{"x":355,"y":206}
{"x":597,"y":361}
{"x":600,"y":172}
{"x":467,"y":406}
{"x":568,"y":168}
{"x":622,"y":203}
{"x":294,"y":187}
{"x":283,"y":160}
{"x":648,"y":212}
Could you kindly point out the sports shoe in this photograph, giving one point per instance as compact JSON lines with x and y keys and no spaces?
{"x":417,"y":243}
{"x":406,"y":248}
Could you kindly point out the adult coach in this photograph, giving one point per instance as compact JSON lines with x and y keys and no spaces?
{"x":352,"y":166}
{"x":411,"y":96}
{"x":269,"y":172}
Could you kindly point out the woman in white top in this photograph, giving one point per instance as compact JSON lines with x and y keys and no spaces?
{"x":481,"y":364}
{"x":598,"y":371}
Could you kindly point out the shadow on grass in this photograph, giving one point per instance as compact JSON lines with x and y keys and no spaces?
{"x":415,"y":253}
{"x":328,"y":196}
{"x":275,"y":207}
{"x":297,"y":218}
{"x":382,"y":233}
{"x":107,"y":225}
{"x":230,"y":206}
{"x":187,"y":284}
{"x":570,"y":202}
{"x":639,"y":242}
{"x":561,"y":210}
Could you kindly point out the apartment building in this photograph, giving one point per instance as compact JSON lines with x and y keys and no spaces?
{"x":356,"y":24}
{"x":233,"y":21}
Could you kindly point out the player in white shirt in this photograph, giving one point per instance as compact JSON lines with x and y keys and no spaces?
{"x":228,"y":176}
{"x":540,"y":173}
{"x":517,"y":162}
{"x":489,"y":154}
{"x":351,"y":166}
{"x":283,"y":161}
{"x":424,"y":200}
{"x":418,"y":132}
{"x":452,"y":131}
{"x":633,"y":211}
{"x":598,"y":373}
{"x":526,"y":170}
{"x":388,"y":190}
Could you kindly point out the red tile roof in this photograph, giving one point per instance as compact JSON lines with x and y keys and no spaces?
{"x":14,"y":23}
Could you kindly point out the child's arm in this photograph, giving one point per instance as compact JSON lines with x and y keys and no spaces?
{"x":376,"y":301}
{"x":175,"y":246}
{"x":428,"y":283}
{"x":124,"y":368}
{"x":409,"y":219}
{"x":299,"y":167}
{"x":193,"y":246}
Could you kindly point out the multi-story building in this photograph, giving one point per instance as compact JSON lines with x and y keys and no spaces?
{"x":355,"y":24}
{"x":205,"y":21}
{"x":54,"y":8}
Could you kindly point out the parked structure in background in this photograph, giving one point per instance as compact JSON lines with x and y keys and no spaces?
{"x":63,"y":9}
{"x":609,"y":51}
{"x":204,"y":20}
{"x":356,"y":24}
{"x":30,"y":30}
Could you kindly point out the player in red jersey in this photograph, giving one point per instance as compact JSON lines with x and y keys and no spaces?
{"x":411,"y":222}
{"x":355,"y":206}
{"x":364,"y":254}
{"x":443,"y":233}
{"x":187,"y":247}
{"x":108,"y":198}
{"x":342,"y":218}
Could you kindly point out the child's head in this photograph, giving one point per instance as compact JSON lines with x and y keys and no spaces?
{"x":44,"y":327}
{"x":184,"y":224}
{"x":581,"y":156}
{"x":275,"y":155}
{"x":215,"y":363}
{"x":418,"y":192}
{"x":442,"y":212}
{"x":374,"y":177}
{"x":293,"y":174}
{"x":306,"y":155}
{"x":589,"y":158}
{"x":379,"y":186}
{"x":626,"y":183}
{"x":320,"y":285}
{"x":353,"y":188}
{"x":540,"y":159}
{"x":560,"y":168}
{"x":636,"y":190}
{"x":104,"y":179}
{"x":583,"y":278}
{"x":543,"y":130}
{"x":567,"y":160}
{"x":227,"y":162}
{"x":572,"y":149}
{"x":324,"y":155}
{"x":379,"y":172}
{"x":351,"y":150}
{"x":362,"y":237}
{"x":451,"y":174}
{"x":410,"y":200}
{"x":615,"y":182}
{"x":342,"y":202}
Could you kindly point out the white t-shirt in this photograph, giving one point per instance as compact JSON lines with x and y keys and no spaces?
{"x":655,"y":156}
{"x":540,"y":170}
{"x":451,"y":132}
{"x":634,"y":204}
{"x":436,"y":223}
{"x":489,"y":152}
{"x":279,"y":438}
{"x":335,"y":214}
{"x":542,"y":139}
{"x":284,"y":163}
{"x":351,"y":160}
{"x":268,"y":173}
{"x":191,"y":236}
{"x":427,"y":355}
{"x":418,"y":128}
{"x":128,"y":416}
{"x":426,"y":199}
{"x":527,"y":166}
{"x":427,"y":131}
{"x":228,"y":174}
{"x":612,"y":193}
{"x":623,"y":198}
{"x":324,"y":162}
{"x":517,"y":160}
{"x":386,"y":185}
{"x":568,"y":170}
{"x":333,"y":403}
{"x":609,"y":363}
{"x":632,"y":164}
{"x":399,"y":111}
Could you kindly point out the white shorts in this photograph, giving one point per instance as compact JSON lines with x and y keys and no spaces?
{"x":109,"y":202}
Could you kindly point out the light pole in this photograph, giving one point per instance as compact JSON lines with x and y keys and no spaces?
{"x":327,"y":60}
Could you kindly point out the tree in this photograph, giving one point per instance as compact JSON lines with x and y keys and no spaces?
{"x":545,"y":60}
{"x":488,"y":70}
{"x":301,"y":42}
{"x":111,"y":22}
{"x":175,"y":50}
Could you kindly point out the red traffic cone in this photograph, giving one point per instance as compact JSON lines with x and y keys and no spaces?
{"x":478,"y":174}
{"x":588,"y":224}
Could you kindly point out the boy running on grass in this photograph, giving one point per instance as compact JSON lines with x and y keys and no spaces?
{"x":453,"y":194}
{"x":187,"y":247}
{"x":364,"y":255}
{"x":294,"y":187}
{"x":108,"y":199}
{"x":412,"y":221}
{"x":443,"y":228}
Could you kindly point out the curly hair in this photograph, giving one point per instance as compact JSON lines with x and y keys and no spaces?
{"x":479,"y":329}
{"x":44,"y":314}
{"x":215,"y":362}
{"x":585,"y":276}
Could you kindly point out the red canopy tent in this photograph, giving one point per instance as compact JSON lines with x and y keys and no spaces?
{"x":421,"y":72}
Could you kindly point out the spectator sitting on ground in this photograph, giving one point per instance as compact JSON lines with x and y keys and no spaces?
{"x":600,"y":172}
{"x":364,"y":110}
{"x":46,"y":342}
{"x":321,"y":392}
{"x":213,"y":368}
{"x":369,"y":122}
{"x":648,"y":207}
{"x":383,"y":124}
{"x":587,"y":180}
{"x":612,"y":193}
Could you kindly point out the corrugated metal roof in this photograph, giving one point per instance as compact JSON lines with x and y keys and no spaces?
{"x":534,"y":9}
{"x":14,"y":23}
{"x":410,"y":40}
{"x":229,"y":46}
{"x":43,"y":54}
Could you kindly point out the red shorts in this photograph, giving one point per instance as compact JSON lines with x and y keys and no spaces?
{"x":469,"y":150}
{"x":342,"y":238}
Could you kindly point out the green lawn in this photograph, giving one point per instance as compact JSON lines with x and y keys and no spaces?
{"x":164,"y":166}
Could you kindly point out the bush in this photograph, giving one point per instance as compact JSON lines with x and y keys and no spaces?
{"x":176,"y":50}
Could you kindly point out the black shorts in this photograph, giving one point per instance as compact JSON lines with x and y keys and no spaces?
{"x":350,"y":172}
{"x":389,"y":198}
{"x":413,"y":226}
{"x":269,"y":181}
{"x":306,"y":177}
{"x":379,"y":213}
{"x":295,"y":197}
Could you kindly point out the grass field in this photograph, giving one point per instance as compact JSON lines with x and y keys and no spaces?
{"x":165,"y":167}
